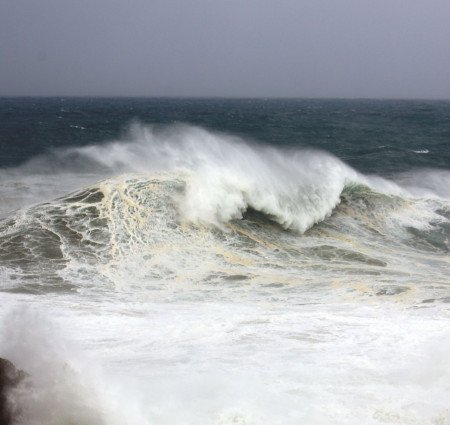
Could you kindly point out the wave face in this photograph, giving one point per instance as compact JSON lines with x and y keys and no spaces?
{"x":190,"y":276}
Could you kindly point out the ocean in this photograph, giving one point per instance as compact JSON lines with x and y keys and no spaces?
{"x":226,"y":261}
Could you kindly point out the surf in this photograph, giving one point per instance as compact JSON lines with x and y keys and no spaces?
{"x":258,"y":280}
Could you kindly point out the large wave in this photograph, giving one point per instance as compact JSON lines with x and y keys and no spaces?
{"x":224,"y":174}
{"x":164,"y":205}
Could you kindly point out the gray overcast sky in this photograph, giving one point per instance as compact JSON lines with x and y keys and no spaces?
{"x":304,"y":48}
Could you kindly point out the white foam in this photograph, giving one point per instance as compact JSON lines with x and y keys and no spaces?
{"x":63,"y":385}
{"x":243,"y":363}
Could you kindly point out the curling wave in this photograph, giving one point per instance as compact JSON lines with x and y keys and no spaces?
{"x":224,"y":175}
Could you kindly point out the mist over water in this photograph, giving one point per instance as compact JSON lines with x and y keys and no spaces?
{"x":176,"y":274}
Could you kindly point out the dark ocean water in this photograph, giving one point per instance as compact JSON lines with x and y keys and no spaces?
{"x":226,"y":262}
{"x":376,"y":136}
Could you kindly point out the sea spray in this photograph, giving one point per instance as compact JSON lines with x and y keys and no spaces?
{"x":62,"y":385}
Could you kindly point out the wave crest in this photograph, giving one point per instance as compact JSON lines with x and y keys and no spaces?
{"x":226,"y":175}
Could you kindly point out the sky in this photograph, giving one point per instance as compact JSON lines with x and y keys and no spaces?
{"x":230,"y":48}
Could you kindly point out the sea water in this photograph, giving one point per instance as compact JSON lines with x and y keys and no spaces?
{"x":213,"y":261}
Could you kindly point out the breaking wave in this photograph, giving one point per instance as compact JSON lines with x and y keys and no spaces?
{"x":171,"y":198}
{"x":224,"y":175}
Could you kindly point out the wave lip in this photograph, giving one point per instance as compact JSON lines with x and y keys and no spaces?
{"x":296,"y":189}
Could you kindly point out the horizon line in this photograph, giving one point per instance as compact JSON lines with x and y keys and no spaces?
{"x":223,"y":97}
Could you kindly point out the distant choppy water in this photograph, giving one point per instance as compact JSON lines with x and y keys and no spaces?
{"x":227,"y":261}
